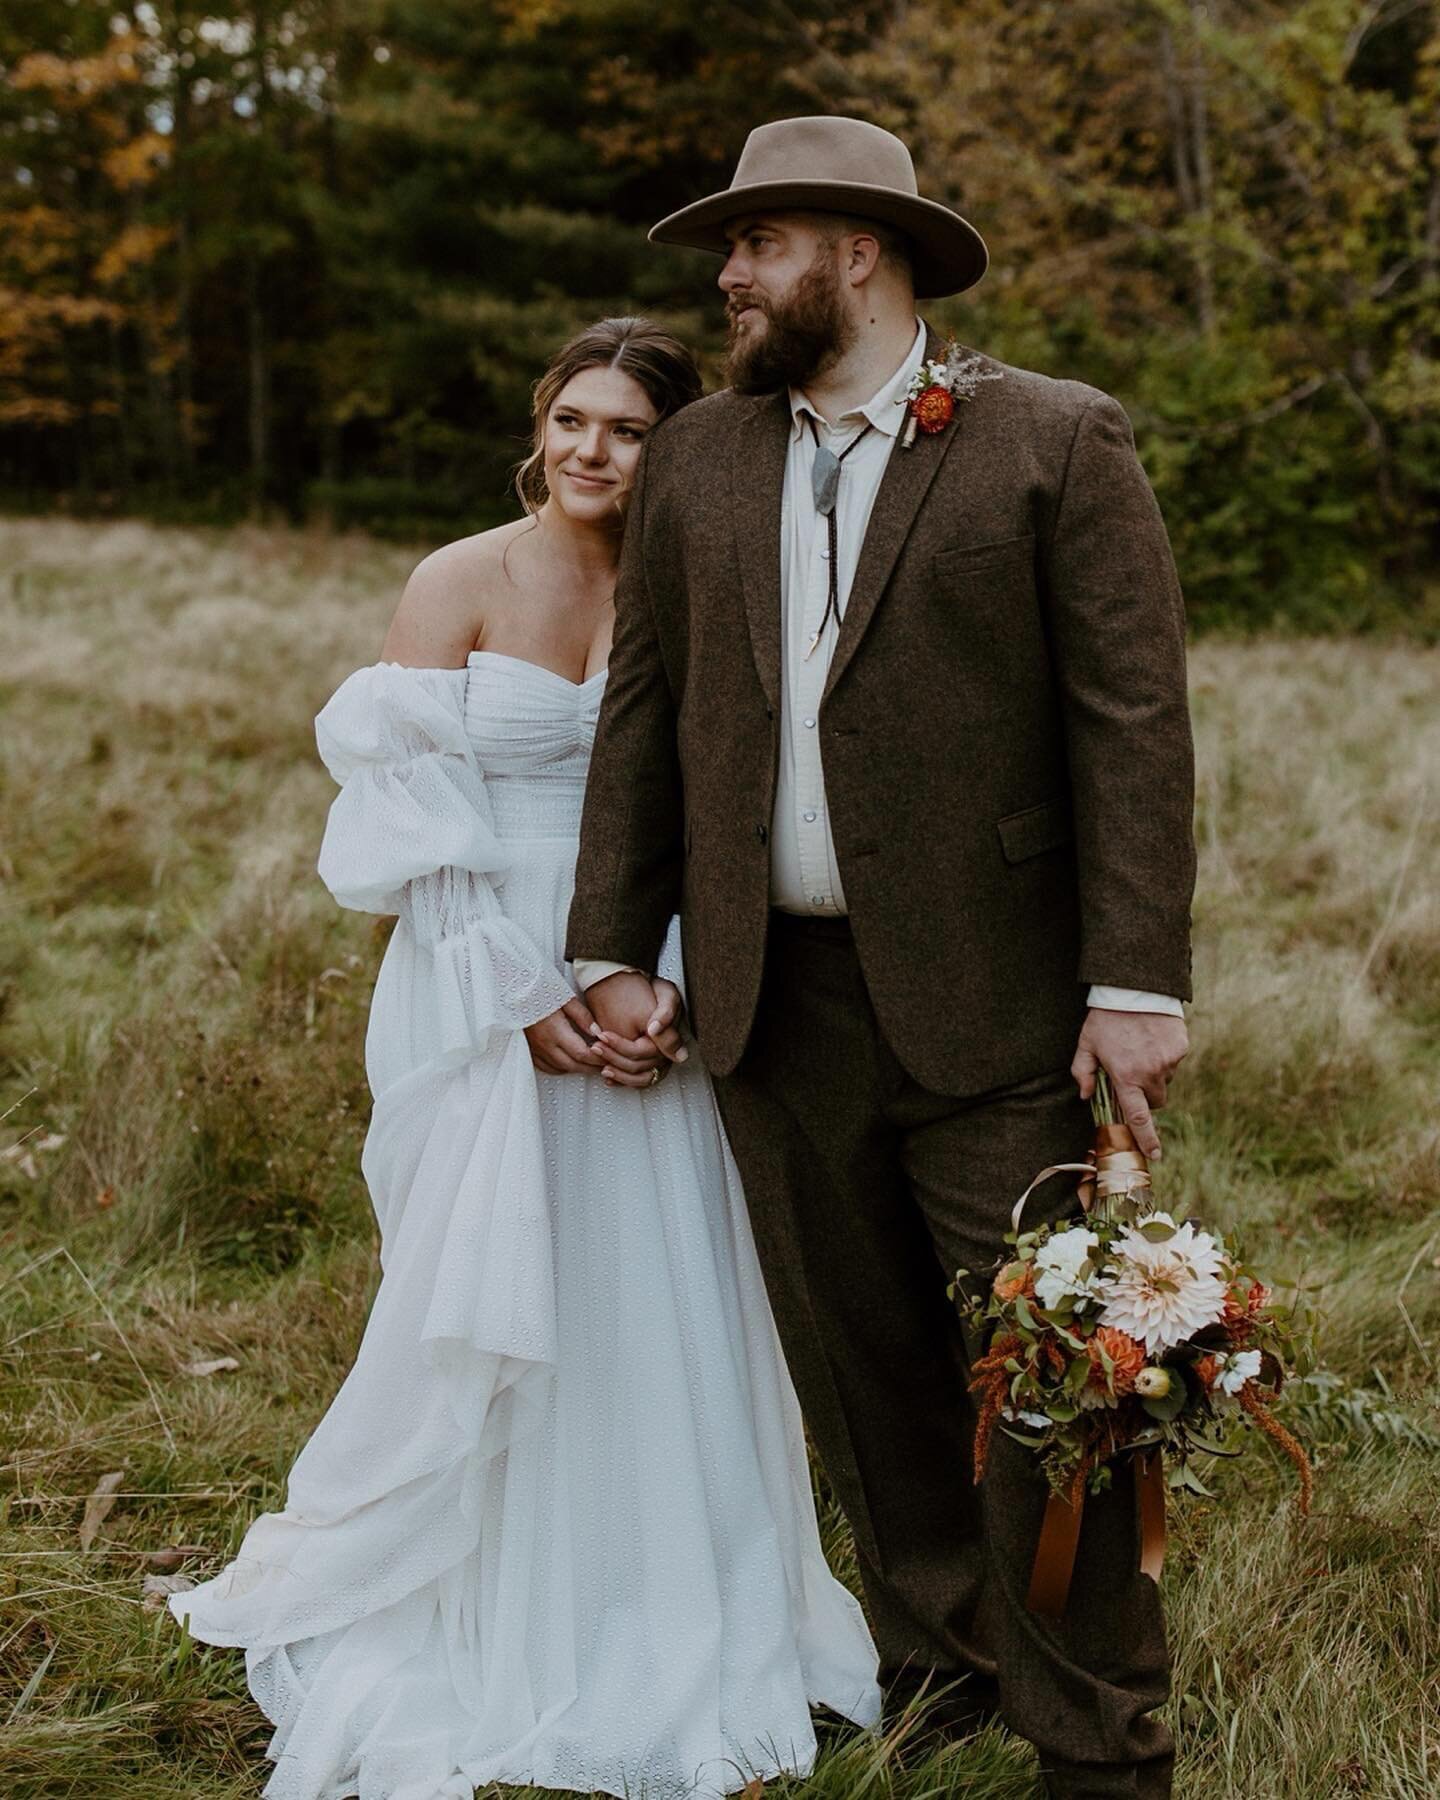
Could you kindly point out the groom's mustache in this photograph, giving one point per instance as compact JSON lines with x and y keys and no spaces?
{"x":736,"y":305}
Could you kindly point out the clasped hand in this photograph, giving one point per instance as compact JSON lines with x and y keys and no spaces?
{"x":635,"y":1035}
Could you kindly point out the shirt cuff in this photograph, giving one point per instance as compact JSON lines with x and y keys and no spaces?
{"x":588,"y":973}
{"x":1118,"y":999}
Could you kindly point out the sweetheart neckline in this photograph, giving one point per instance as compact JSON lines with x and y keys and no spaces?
{"x":541,"y":668}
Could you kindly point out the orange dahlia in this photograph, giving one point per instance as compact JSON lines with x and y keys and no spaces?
{"x":934,"y":408}
{"x":1125,"y":1353}
{"x":1015,"y":1279}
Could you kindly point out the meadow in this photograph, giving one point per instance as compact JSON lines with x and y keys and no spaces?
{"x":187,"y":1254}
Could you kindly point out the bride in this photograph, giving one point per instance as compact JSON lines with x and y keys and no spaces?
{"x":556,"y":1527}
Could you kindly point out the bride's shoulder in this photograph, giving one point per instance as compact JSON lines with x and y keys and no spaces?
{"x":448,"y":598}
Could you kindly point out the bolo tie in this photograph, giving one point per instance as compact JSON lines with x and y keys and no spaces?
{"x":825,"y":484}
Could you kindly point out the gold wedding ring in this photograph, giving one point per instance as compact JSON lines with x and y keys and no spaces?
{"x":654,"y":1078}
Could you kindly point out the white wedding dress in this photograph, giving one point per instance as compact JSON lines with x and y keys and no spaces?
{"x":556,"y":1526}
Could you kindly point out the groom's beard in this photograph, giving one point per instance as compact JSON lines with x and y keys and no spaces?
{"x":803,"y":333}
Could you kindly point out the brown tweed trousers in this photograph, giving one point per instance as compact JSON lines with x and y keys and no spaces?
{"x":1008,"y":770}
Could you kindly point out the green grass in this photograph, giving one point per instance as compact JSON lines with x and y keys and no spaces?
{"x":183,"y":1006}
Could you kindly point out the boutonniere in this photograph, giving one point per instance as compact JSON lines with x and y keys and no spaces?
{"x":937,"y":386}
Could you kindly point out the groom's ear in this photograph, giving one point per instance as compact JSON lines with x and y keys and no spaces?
{"x":863,"y":255}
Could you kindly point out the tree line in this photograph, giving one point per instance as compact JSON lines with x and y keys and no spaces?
{"x":304,"y":260}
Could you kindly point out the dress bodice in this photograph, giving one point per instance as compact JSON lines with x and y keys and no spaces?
{"x":532,"y":732}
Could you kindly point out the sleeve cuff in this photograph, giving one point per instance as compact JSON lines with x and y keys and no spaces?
{"x":589,"y":974}
{"x":1118,"y":999}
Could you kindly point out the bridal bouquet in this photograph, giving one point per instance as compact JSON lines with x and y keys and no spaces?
{"x":1123,"y":1334}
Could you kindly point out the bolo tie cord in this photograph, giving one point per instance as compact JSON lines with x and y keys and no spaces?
{"x":825,"y":484}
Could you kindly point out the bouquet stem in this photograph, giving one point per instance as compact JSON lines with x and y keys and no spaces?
{"x":1103,"y":1109}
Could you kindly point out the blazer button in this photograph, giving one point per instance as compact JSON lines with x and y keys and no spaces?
{"x":762,"y":833}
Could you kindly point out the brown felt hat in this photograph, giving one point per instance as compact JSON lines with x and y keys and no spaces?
{"x":839,"y":166}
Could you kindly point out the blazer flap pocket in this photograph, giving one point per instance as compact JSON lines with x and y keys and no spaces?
{"x":1043,"y":827}
{"x":964,"y":559}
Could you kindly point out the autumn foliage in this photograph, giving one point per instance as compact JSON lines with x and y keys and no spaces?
{"x":307,"y":260}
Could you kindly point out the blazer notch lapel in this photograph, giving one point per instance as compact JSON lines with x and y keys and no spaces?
{"x":903,"y":487}
{"x":757,"y":484}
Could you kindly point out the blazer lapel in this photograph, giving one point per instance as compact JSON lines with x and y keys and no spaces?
{"x":757,"y":484}
{"x":902,"y":490}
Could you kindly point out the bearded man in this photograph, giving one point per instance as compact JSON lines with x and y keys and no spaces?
{"x":897,"y":722}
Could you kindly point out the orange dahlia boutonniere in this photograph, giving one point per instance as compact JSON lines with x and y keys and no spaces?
{"x":934,"y":408}
{"x":937,"y":387}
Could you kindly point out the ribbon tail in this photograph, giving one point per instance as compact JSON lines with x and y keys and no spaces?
{"x":1044,"y":1175}
{"x":1150,"y":1492}
{"x":1055,"y":1557}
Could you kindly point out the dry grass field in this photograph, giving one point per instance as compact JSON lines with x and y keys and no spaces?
{"x":181,"y":1016}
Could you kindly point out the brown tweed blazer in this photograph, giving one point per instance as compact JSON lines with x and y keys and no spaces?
{"x":1004,"y":729}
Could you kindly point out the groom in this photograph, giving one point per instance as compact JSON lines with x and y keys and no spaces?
{"x":896,"y":721}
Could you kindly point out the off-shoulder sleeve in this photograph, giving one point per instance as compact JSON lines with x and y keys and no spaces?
{"x":411,"y":832}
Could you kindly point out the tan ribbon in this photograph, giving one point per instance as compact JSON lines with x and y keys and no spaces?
{"x":1060,"y":1537}
{"x":1117,"y":1166}
{"x":1120,"y":1166}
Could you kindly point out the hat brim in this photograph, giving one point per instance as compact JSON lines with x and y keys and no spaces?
{"x":950,"y":254}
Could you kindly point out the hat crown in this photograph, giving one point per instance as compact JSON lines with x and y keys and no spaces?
{"x":826,"y":149}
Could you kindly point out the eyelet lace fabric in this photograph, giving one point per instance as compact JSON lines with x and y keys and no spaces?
{"x":556,"y":1526}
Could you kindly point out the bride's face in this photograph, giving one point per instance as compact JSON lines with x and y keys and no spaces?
{"x":592,"y":443}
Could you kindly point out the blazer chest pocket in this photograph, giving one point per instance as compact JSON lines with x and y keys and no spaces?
{"x":1037,"y":829}
{"x":966,"y":560}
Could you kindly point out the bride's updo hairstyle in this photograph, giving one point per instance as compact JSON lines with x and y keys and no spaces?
{"x":657,"y":359}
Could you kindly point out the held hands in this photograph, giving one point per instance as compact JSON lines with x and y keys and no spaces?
{"x":1142,"y":1051}
{"x":638,"y":1034}
{"x":561,"y":1043}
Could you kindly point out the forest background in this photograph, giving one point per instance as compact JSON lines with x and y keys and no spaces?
{"x":302,"y":261}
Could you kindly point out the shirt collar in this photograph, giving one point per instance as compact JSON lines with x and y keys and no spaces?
{"x":884,"y":409}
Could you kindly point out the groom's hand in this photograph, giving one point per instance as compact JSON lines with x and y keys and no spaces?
{"x":623,"y":1003}
{"x":1141,"y":1051}
{"x":634,"y":1056}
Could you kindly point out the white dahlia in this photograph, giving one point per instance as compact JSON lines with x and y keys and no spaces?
{"x":1163,"y":1287}
{"x":1065,"y":1267}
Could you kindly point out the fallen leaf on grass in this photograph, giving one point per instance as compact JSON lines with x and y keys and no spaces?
{"x":753,"y":1789}
{"x":172,"y":1556}
{"x":105,"y":1198}
{"x":157,"y":1589}
{"x":218,"y":1365}
{"x":97,"y":1507}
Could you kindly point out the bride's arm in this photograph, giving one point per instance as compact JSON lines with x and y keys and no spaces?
{"x":411,"y":833}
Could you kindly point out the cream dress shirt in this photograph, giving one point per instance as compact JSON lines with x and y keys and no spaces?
{"x":804,"y":872}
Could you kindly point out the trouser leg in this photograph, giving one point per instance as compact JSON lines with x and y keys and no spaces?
{"x":1080,"y":1691}
{"x":866,"y":1192}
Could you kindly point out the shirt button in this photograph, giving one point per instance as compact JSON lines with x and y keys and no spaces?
{"x":809,"y":818}
{"x":809,"y":724}
{"x":817,"y":899}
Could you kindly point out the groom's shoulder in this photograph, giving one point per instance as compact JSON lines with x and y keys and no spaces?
{"x":684,"y":447}
{"x":702,"y":418}
{"x":1045,"y":403}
